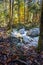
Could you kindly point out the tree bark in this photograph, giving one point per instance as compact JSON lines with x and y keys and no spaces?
{"x":40,"y":43}
{"x":10,"y":24}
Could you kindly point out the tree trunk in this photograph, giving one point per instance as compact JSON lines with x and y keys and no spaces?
{"x":40,"y":43}
{"x":19,"y":11}
{"x":11,"y":3}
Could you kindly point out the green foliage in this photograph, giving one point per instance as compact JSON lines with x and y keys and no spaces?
{"x":20,"y":12}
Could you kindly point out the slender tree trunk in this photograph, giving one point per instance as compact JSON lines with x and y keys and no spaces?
{"x":19,"y":11}
{"x":40,"y":43}
{"x":28,"y":13}
{"x":9,"y":23}
{"x":11,"y":3}
{"x":5,"y":10}
{"x":24,"y":11}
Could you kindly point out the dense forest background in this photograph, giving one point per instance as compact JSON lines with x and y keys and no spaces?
{"x":20,"y":12}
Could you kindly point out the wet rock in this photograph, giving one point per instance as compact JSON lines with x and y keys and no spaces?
{"x":27,"y":39}
{"x":22,"y":31}
{"x":21,"y":36}
{"x":33,"y":32}
{"x":20,"y":44}
{"x":36,"y":38}
{"x":15,"y":34}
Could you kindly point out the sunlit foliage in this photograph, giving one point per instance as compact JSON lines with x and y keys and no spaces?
{"x":20,"y":11}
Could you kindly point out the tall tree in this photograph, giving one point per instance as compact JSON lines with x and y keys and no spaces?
{"x":40,"y":43}
{"x":19,"y":11}
{"x":5,"y":10}
{"x":29,"y":4}
{"x":11,"y":3}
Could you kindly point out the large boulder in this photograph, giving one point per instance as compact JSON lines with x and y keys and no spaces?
{"x":27,"y":39}
{"x":30,"y":41}
{"x":33,"y":32}
{"x":36,"y":38}
{"x":20,"y":44}
{"x":34,"y":42}
{"x":15,"y":33}
{"x":22,"y":31}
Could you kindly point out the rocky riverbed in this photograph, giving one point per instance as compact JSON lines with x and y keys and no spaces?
{"x":29,"y":37}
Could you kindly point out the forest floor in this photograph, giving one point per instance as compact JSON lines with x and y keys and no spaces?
{"x":15,"y":50}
